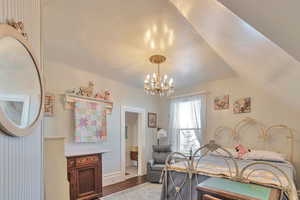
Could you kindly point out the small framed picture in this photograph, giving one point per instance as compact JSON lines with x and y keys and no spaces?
{"x":242,"y":105}
{"x":221,"y":102}
{"x":49,"y":105}
{"x":152,"y":120}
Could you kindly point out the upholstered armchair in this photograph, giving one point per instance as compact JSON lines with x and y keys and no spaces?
{"x":156,"y":166}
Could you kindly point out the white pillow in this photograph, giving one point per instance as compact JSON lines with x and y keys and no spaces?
{"x":223,"y":153}
{"x":264,"y":155}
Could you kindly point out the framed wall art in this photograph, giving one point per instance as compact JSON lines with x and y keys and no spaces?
{"x":49,"y":105}
{"x":221,"y":102}
{"x":152,"y":120}
{"x":242,"y":105}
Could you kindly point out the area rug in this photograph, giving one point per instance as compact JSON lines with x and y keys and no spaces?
{"x":146,"y":191}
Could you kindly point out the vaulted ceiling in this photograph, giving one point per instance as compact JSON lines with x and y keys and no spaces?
{"x":277,"y":20}
{"x":250,"y":54}
{"x":202,"y":39}
{"x":115,"y":38}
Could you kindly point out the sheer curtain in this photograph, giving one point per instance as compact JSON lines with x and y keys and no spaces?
{"x":187,"y":122}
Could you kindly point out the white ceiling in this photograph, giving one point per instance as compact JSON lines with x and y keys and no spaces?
{"x":251,"y":54}
{"x":204,"y":40}
{"x":108,"y":38}
{"x":277,"y":20}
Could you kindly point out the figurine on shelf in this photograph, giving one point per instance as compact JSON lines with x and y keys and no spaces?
{"x":98,"y":95}
{"x":108,"y":95}
{"x":73,"y":91}
{"x":87,"y":91}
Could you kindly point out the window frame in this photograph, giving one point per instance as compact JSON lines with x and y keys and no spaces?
{"x":178,"y":134}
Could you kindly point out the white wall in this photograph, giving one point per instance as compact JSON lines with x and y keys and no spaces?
{"x":56,"y":181}
{"x":131,"y":121}
{"x":60,"y":77}
{"x":21,"y":157}
{"x":265,"y":108}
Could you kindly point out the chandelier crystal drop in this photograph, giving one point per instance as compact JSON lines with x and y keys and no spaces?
{"x":156,"y":84}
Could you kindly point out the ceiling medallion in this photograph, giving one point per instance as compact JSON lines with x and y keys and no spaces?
{"x":156,"y":84}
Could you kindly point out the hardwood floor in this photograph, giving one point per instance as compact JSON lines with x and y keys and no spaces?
{"x":107,"y":190}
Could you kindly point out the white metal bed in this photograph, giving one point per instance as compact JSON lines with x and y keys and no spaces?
{"x":183,"y":172}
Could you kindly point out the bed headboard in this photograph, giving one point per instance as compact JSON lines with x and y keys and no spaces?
{"x":255,"y":135}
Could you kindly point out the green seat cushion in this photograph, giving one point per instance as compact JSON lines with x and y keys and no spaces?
{"x":249,"y":190}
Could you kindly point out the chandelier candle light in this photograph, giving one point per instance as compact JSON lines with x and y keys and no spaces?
{"x":156,"y":84}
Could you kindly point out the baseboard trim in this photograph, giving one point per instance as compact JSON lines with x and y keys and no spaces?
{"x":113,"y":177}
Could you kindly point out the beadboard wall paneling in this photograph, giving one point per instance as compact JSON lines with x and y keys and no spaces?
{"x":21,"y":158}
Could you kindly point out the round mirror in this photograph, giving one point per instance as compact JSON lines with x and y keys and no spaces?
{"x":20,"y":84}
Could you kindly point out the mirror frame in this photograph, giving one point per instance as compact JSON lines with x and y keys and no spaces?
{"x":5,"y":124}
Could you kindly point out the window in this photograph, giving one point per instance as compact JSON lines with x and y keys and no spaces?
{"x":187,"y":140}
{"x":186,"y":123}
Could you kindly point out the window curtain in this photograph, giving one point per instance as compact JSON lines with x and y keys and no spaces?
{"x":187,"y":113}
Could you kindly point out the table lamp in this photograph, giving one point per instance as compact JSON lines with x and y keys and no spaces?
{"x":161,"y":133}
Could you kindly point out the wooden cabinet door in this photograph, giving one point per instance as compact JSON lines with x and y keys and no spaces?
{"x":87,"y":179}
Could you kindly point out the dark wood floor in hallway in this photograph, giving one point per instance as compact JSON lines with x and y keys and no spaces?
{"x":117,"y":187}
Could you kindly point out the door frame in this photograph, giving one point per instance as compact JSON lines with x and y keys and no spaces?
{"x":141,"y":138}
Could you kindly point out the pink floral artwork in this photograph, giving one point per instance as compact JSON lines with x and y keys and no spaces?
{"x":221,"y":102}
{"x":242,"y":105}
{"x":90,"y":122}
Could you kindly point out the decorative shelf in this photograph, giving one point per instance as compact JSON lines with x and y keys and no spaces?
{"x":70,"y":99}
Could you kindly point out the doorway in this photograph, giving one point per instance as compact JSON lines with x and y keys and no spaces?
{"x":131,"y":139}
{"x":132,"y":142}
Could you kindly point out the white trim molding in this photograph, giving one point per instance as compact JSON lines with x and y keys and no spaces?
{"x":190,"y":94}
{"x":54,"y":138}
{"x":25,"y":99}
{"x":111,"y":178}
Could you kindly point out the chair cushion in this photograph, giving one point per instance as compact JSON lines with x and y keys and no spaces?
{"x":161,"y":148}
{"x":160,"y":157}
{"x":157,"y":167}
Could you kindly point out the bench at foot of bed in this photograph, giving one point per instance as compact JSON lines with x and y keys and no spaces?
{"x":224,"y":189}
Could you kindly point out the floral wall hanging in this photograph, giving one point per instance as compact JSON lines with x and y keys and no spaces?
{"x":90,"y":122}
{"x":49,"y":105}
{"x":221,"y":102}
{"x":242,"y":105}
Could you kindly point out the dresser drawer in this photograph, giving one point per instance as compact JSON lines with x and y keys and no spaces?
{"x":87,"y":160}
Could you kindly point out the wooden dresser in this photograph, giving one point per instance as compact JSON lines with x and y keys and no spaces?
{"x":85,"y":176}
{"x":224,"y":189}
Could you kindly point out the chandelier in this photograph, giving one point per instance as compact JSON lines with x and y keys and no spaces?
{"x":156,"y":84}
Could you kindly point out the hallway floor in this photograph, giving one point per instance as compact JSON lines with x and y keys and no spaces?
{"x":131,"y":172}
